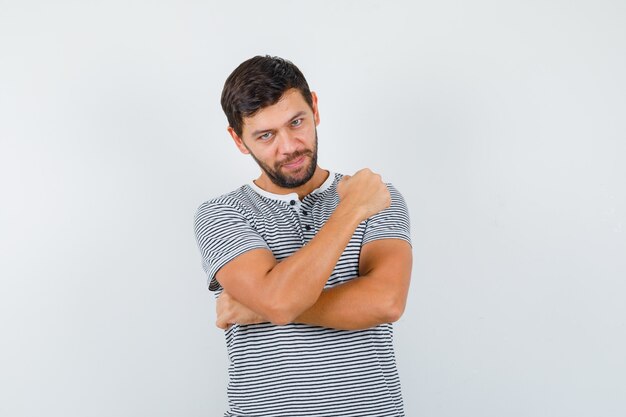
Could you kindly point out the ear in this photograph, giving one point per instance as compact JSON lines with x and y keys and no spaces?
{"x":316,"y":113}
{"x":238,"y":141}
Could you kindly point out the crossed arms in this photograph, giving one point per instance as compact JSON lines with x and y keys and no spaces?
{"x":257,"y":288}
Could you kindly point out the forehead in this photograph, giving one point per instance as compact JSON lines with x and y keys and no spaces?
{"x":279,"y":113}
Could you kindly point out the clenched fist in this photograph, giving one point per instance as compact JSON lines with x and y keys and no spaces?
{"x":364,"y":192}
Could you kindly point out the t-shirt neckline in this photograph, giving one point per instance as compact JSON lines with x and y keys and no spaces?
{"x":293,"y":196}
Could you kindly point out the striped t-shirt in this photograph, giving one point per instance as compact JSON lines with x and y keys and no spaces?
{"x":299,"y":370}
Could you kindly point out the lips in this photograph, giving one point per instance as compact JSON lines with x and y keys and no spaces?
{"x":295,"y":163}
{"x":297,"y":160}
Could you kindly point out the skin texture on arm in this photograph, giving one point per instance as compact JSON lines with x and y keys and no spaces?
{"x":377,"y":296}
{"x":281,"y":291}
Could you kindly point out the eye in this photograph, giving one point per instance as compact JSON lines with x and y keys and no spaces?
{"x":265,"y":136}
{"x":296,"y":123}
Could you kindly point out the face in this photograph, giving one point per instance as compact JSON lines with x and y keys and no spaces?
{"x":282,"y":139}
{"x":294,"y":170}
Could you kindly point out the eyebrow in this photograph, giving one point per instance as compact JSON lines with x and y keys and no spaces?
{"x":260,"y":131}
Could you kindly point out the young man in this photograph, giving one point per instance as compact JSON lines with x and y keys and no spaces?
{"x":310,"y":267}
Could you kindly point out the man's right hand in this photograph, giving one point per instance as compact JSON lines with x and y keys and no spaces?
{"x":364,"y":192}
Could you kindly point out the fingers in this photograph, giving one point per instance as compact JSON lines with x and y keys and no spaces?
{"x":343,"y":181}
{"x":364,"y":192}
{"x":221,"y":309}
{"x":222,"y":320}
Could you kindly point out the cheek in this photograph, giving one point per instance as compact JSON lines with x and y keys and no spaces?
{"x":267,"y":154}
{"x":307,"y":135}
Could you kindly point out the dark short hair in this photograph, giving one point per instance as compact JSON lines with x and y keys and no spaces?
{"x":257,"y":83}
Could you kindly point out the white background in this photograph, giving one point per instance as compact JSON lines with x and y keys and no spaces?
{"x":503,"y":123}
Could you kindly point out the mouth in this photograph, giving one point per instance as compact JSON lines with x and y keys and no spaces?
{"x":296,"y":163}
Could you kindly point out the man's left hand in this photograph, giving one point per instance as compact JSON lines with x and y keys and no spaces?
{"x":230,"y":311}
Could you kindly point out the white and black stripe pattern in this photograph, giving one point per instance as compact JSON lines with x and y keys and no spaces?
{"x":299,"y":370}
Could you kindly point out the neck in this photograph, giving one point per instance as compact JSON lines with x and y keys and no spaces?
{"x":319,"y":176}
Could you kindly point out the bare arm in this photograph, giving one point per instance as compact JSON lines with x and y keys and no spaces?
{"x":377,"y":296}
{"x":281,"y":291}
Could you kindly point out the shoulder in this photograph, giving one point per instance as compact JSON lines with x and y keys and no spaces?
{"x":237,"y":201}
{"x":391,"y":223}
{"x":395,"y":193}
{"x":398,"y":203}
{"x":231,"y":216}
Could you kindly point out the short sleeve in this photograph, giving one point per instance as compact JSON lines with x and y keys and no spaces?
{"x":223,"y":233}
{"x":391,"y":223}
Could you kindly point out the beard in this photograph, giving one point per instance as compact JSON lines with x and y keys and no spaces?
{"x":303,"y":175}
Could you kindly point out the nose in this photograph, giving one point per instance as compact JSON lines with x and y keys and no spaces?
{"x":287,"y":143}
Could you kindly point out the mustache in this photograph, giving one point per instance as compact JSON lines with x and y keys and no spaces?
{"x":295,"y":156}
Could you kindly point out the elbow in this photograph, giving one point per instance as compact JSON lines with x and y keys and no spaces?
{"x":282,"y":313}
{"x":394,"y":314}
{"x":281,"y":322}
{"x":280,"y":318}
{"x":393,"y":309}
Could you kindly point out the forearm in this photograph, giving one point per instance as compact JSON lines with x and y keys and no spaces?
{"x":294,"y":284}
{"x":377,"y":296}
{"x":358,"y":304}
